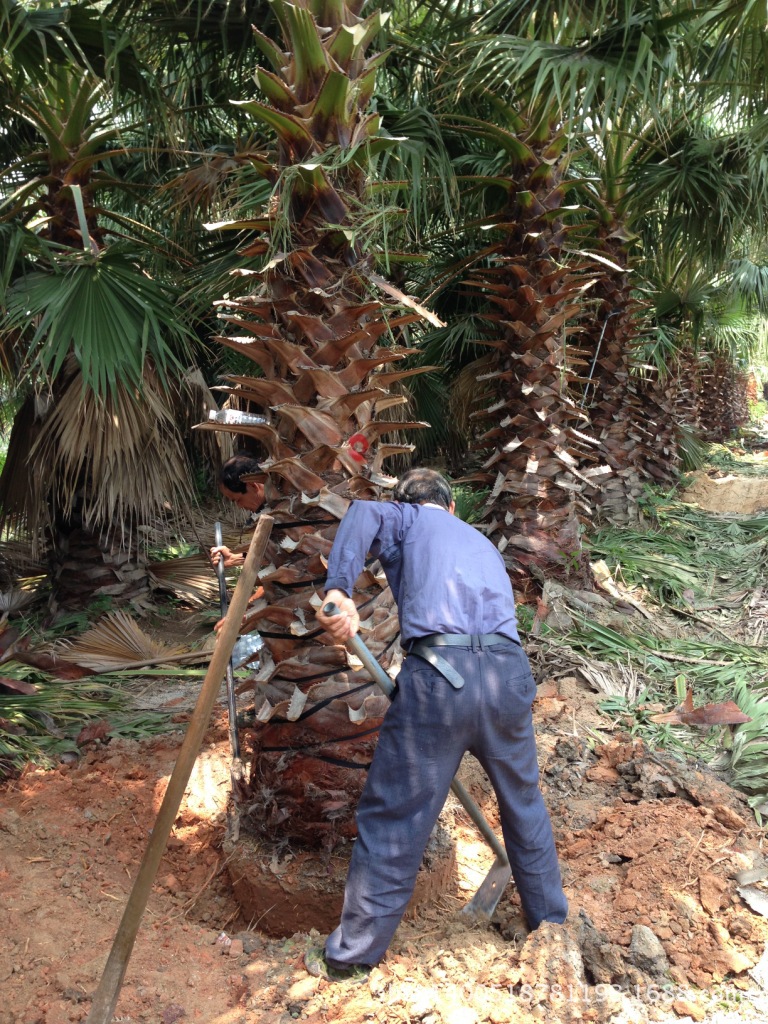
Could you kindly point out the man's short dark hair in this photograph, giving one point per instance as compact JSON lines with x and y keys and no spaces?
{"x":418,"y":486}
{"x":234,"y":468}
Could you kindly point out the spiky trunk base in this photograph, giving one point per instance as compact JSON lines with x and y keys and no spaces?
{"x":86,"y":567}
{"x":723,"y":397}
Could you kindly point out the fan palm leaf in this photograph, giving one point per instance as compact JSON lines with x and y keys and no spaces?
{"x":115,"y":641}
{"x":103,"y":308}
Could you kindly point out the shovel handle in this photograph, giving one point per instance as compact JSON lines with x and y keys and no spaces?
{"x":382,"y":680}
{"x":234,"y":738}
{"x":219,"y":541}
{"x":357,"y":647}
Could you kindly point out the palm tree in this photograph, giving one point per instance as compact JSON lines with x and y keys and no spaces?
{"x":93,"y":337}
{"x":686,"y":145}
{"x":540,"y":464}
{"x":703,"y":291}
{"x":537,"y":440}
{"x":605,"y":73}
{"x":631,"y":409}
{"x":713,"y":324}
{"x":326,"y":349}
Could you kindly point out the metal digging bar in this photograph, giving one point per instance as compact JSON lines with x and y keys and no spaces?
{"x":234,"y":740}
{"x":108,"y":990}
{"x":486,"y":899}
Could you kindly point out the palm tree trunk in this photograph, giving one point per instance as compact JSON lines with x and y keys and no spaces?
{"x":86,"y":566}
{"x":723,"y":398}
{"x":541,"y":456}
{"x":629,"y":410}
{"x":325,"y":348}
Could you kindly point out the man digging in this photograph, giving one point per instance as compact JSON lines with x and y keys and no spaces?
{"x":465,"y":686}
{"x":246,"y":494}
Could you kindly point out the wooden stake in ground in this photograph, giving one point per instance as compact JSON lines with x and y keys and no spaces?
{"x":105,"y":998}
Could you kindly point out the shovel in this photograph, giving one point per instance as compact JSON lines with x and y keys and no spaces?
{"x":486,"y":899}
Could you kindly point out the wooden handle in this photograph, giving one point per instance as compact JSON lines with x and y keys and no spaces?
{"x":106,"y":995}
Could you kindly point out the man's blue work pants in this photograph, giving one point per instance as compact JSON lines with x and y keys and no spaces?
{"x":424,"y":735}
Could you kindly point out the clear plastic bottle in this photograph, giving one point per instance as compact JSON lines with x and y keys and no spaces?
{"x":245,"y":647}
{"x":235,"y":418}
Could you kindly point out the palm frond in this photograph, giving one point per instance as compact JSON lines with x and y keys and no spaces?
{"x":693,"y":451}
{"x":677,"y":566}
{"x":749,"y":753}
{"x":38,"y":727}
{"x":702,"y":170}
{"x":731,"y":44}
{"x":600,"y":58}
{"x":614,"y":679}
{"x":107,"y":311}
{"x":35,"y":37}
{"x":705,"y":528}
{"x":716,"y":666}
{"x":115,"y":641}
{"x":190,"y":578}
{"x":206,"y":44}
{"x":121,"y":456}
{"x":421,"y":165}
{"x":749,"y":281}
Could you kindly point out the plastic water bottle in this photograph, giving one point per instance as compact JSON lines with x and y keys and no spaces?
{"x":235,"y":418}
{"x":245,"y":647}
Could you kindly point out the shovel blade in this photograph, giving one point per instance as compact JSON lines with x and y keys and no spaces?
{"x":483,"y":904}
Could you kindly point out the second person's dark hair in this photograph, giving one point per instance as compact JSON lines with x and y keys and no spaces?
{"x":234,"y":468}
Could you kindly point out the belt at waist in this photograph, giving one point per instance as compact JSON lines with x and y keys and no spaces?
{"x":464,"y":640}
{"x":422,"y":648}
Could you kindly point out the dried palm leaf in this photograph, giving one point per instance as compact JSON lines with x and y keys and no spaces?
{"x":116,"y":642}
{"x":615,"y":680}
{"x":190,"y":578}
{"x":195,"y":525}
{"x":24,"y":592}
{"x":126,"y":448}
{"x":19,"y":560}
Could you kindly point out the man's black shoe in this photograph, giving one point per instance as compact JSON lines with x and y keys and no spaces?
{"x":318,"y":967}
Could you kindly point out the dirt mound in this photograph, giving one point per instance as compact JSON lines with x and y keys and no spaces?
{"x":649,"y":848}
{"x":737,"y":495}
{"x":667,"y":861}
